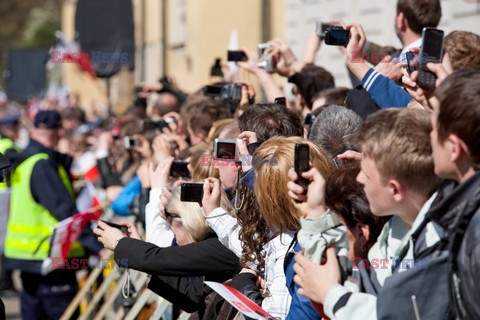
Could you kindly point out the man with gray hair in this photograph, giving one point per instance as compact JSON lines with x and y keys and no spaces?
{"x":335,"y":129}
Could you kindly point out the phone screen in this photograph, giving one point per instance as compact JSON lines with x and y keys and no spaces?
{"x":191,"y":192}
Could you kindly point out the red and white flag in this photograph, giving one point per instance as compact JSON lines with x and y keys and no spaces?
{"x":65,"y":233}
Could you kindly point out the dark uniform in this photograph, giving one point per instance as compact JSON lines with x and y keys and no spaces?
{"x":42,"y":196}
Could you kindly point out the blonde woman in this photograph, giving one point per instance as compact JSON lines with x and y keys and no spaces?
{"x":271,"y":162}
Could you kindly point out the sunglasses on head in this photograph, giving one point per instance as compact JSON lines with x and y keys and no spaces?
{"x":171,"y":215}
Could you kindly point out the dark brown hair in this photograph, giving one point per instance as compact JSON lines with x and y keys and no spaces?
{"x":420,"y":13}
{"x":200,"y":112}
{"x":346,"y":197}
{"x":332,"y":96}
{"x":269,"y":120}
{"x":459,"y":96}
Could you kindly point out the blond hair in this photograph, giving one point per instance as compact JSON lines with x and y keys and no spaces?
{"x":398,"y":141}
{"x":191,"y":214}
{"x":279,"y":211}
{"x":201,"y":162}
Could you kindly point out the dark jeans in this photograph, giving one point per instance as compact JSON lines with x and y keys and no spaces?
{"x":47,"y":297}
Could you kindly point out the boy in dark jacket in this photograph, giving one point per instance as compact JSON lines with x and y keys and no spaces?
{"x":455,"y":142}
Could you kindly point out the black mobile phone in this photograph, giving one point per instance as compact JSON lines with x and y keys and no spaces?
{"x":412,"y":61}
{"x":130,"y":142}
{"x":302,"y":163}
{"x":124,"y":229}
{"x":236,"y":55}
{"x":180,"y":169}
{"x":225,"y":148}
{"x":191,"y":192}
{"x":432,"y":51}
{"x":337,"y":36}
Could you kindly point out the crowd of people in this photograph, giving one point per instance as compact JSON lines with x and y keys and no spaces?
{"x":382,"y":224}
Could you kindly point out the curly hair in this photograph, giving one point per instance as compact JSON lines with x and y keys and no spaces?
{"x":254,"y":232}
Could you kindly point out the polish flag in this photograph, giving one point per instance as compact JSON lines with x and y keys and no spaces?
{"x":88,"y":167}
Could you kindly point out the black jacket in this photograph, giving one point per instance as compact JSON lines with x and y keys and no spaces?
{"x":459,"y":214}
{"x":178,"y":271}
{"x":207,"y":258}
{"x":49,"y":191}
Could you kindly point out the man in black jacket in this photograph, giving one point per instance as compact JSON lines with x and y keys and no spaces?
{"x":455,"y":142}
{"x":41,"y":197}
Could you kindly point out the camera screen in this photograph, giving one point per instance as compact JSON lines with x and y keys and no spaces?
{"x":191,"y":192}
{"x":338,"y":37}
{"x":226,"y":150}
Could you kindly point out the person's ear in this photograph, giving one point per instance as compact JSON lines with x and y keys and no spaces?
{"x":363,"y":232}
{"x":200,"y":137}
{"x":457,"y":148}
{"x":397,"y":190}
{"x":401,"y":22}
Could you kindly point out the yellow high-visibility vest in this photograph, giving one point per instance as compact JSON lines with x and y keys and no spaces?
{"x":30,"y":224}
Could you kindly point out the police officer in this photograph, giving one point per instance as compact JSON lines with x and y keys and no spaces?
{"x":9,"y":126}
{"x":42,"y":195}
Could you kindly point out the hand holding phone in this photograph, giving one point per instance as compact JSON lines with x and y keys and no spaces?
{"x":432,"y":51}
{"x":124,"y":229}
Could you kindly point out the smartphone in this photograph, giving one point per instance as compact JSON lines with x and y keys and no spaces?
{"x":130,"y":142}
{"x":432,"y":51}
{"x":124,"y":229}
{"x":180,"y":169}
{"x":236,"y":55}
{"x":337,"y":36}
{"x":191,"y":192}
{"x":411,"y":60}
{"x":225,"y":149}
{"x":302,"y":164}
